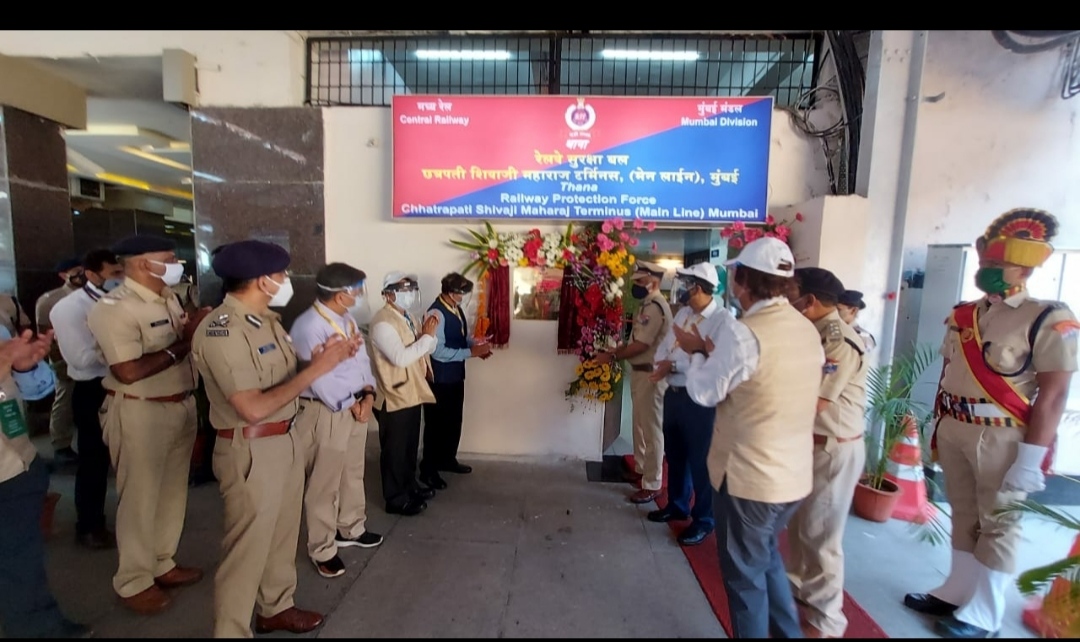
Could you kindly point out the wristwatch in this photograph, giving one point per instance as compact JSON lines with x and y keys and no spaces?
{"x":359,"y":396}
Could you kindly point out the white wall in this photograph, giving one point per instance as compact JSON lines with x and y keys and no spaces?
{"x":515,"y":403}
{"x":235,"y":68}
{"x":993,"y":134}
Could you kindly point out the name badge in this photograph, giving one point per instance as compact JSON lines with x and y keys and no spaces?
{"x":159,"y":323}
{"x":270,"y":347}
{"x":12,"y":421}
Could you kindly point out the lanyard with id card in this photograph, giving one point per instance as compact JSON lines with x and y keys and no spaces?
{"x":12,"y":421}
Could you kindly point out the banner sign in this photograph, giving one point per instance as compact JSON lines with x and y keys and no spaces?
{"x":563,"y":157}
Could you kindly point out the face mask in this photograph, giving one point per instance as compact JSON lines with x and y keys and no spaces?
{"x":405,"y":300}
{"x":639,"y":291}
{"x":991,"y":280}
{"x":357,"y":305}
{"x":174,"y":272}
{"x":685,"y":294}
{"x":77,"y":280}
{"x":283,"y":295}
{"x":111,"y":285}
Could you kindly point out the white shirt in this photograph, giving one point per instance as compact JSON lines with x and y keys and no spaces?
{"x":709,"y":322}
{"x":77,"y":345}
{"x":386,"y":340}
{"x":733,"y":362}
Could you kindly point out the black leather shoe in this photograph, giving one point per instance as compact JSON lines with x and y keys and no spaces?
{"x":459,"y":469}
{"x":693,"y":535}
{"x":666,"y":514}
{"x":98,"y":540}
{"x":408,"y":509}
{"x":433,"y":480}
{"x":423,"y":493}
{"x":929,"y":605}
{"x":950,"y":627}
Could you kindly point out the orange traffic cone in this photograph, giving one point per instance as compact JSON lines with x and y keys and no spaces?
{"x":906,"y":471}
{"x":1056,"y":615}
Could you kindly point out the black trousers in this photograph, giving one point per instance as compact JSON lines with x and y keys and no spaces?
{"x":92,"y":475}
{"x":27,"y":606}
{"x":399,"y":444}
{"x":442,"y":426}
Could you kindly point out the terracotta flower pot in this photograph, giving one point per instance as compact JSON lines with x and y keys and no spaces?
{"x":47,"y":512}
{"x":873,"y":504}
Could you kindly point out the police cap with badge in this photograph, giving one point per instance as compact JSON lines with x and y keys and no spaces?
{"x":825,"y":286}
{"x":250,"y":259}
{"x":143,"y":244}
{"x":68,"y":264}
{"x":853,"y":299}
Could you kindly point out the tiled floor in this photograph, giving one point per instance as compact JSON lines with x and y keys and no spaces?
{"x":516,"y":549}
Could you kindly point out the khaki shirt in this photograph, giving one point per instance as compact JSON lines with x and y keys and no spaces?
{"x":1005,"y":326}
{"x":650,"y":326}
{"x":12,"y":315}
{"x":236,"y":350}
{"x":843,"y":380}
{"x":133,"y":321}
{"x":45,"y":303}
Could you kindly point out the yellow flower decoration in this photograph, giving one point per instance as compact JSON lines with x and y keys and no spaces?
{"x":606,"y":376}
{"x":579,"y":370}
{"x":605,"y":386}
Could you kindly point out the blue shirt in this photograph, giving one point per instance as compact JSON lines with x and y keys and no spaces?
{"x":35,"y":384}
{"x":442,"y":352}
{"x":337,"y":387}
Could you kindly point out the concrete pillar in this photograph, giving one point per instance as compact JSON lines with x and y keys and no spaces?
{"x":35,"y":205}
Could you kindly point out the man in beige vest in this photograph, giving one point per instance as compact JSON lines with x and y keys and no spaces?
{"x":250,"y":373}
{"x":650,"y":327}
{"x":149,"y":418}
{"x":62,"y":418}
{"x":816,"y":534}
{"x":401,"y":358}
{"x":764,"y":377}
{"x":1000,"y":353}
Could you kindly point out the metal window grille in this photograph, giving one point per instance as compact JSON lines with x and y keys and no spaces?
{"x":365,"y":71}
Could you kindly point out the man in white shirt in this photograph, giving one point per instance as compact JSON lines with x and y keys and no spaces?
{"x":87,"y":368}
{"x":401,"y":360}
{"x":688,"y":425}
{"x":763,"y":374}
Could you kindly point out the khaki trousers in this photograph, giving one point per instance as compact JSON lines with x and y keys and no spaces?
{"x":334,"y":445}
{"x":816,"y":534}
{"x":975,"y":460}
{"x":648,"y":401}
{"x":150,"y":447}
{"x":262,"y":484}
{"x":62,"y":417}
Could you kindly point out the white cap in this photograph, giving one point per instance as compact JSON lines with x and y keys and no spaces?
{"x":766,"y":254}
{"x":396,"y":277}
{"x":645,"y":268}
{"x":704,"y":271}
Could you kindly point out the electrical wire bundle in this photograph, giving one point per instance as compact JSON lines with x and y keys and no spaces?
{"x":1041,"y":41}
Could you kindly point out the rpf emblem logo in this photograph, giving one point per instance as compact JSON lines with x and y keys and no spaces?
{"x":580,"y":117}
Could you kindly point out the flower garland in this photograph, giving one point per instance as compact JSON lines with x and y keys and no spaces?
{"x":528,"y":249}
{"x":739,"y":234}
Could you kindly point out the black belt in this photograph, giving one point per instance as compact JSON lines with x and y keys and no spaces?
{"x":677,"y":389}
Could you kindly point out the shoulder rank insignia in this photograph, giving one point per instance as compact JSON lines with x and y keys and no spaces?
{"x":221,"y":322}
{"x":833,"y":331}
{"x":253,"y":320}
{"x":831,"y":365}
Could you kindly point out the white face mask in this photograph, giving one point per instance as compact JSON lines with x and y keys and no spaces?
{"x":358,"y":305}
{"x":174,"y":272}
{"x":405,"y":300}
{"x":111,"y":284}
{"x":283,"y":295}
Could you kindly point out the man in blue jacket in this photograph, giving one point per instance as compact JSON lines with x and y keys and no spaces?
{"x":442,"y":419}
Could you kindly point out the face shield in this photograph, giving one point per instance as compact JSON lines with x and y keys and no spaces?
{"x":682,"y":289}
{"x":357,"y":293}
{"x":406,"y":295}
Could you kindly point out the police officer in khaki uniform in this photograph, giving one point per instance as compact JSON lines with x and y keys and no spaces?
{"x":993,"y":442}
{"x":250,"y":373}
{"x":650,"y":327}
{"x":62,"y":418}
{"x":816,"y":562}
{"x":149,"y":417}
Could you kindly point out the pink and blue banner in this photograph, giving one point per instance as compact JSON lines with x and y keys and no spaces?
{"x":663,"y":159}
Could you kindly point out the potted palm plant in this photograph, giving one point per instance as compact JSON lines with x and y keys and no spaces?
{"x":892,"y":412}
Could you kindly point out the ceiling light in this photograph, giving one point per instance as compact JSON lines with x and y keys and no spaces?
{"x":639,"y":54}
{"x":365,"y":55}
{"x":154,"y":158}
{"x":461,"y":54}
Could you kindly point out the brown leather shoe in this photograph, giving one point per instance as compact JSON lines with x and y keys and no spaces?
{"x":293,"y":620}
{"x":152,"y":600}
{"x":179,"y":576}
{"x":643,"y":496}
